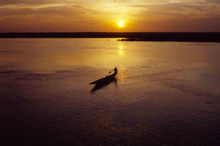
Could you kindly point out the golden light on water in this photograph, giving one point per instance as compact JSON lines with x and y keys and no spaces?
{"x":121,"y":50}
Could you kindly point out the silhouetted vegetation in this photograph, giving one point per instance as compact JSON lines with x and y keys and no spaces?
{"x":129,"y":36}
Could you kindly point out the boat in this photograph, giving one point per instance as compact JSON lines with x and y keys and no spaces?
{"x":103,"y":82}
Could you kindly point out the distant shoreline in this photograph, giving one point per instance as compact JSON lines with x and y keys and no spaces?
{"x":127,"y":36}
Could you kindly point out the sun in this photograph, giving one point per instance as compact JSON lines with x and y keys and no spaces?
{"x":121,"y":24}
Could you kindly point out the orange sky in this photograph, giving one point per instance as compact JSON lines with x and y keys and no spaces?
{"x":104,"y":15}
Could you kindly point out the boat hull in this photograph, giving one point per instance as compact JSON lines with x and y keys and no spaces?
{"x":103,"y":82}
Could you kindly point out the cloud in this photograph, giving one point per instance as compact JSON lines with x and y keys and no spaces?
{"x":100,"y":14}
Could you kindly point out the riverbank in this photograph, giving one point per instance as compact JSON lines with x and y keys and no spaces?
{"x":127,"y":36}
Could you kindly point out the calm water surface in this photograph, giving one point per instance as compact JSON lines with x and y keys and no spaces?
{"x":167,"y":93}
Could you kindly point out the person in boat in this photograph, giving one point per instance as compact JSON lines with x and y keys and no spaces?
{"x":116,"y":70}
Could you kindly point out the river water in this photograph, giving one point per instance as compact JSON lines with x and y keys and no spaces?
{"x":166,"y":93}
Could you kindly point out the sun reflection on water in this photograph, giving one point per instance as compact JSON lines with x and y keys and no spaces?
{"x":121,"y":49}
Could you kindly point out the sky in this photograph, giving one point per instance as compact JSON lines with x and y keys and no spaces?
{"x":106,"y":15}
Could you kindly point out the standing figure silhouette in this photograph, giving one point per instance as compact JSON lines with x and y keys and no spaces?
{"x":116,"y":70}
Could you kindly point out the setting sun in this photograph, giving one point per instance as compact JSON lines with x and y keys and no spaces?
{"x":120,"y":24}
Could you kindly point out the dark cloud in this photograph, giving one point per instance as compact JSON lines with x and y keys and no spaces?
{"x":30,"y":2}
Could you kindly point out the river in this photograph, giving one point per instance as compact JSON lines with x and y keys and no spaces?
{"x":165,"y":93}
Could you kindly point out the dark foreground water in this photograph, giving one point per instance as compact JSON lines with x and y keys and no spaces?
{"x":166,"y":93}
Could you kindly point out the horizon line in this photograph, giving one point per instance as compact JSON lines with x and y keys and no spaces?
{"x":114,"y":32}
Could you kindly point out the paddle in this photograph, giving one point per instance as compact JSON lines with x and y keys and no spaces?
{"x":111,"y":71}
